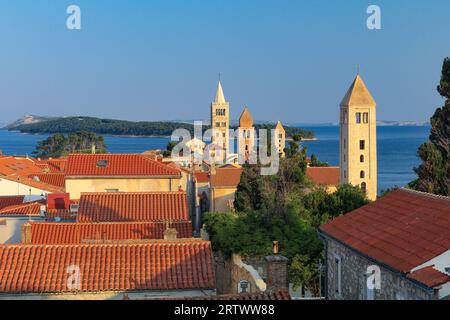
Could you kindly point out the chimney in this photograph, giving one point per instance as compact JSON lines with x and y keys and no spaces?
{"x":277,"y":273}
{"x":26,"y":233}
{"x":93,"y":148}
{"x":170,"y":233}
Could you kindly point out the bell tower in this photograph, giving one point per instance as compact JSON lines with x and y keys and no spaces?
{"x":358,"y":139}
{"x":220,"y":120}
{"x":246,"y":137}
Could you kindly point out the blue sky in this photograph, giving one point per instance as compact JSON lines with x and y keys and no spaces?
{"x":160,"y":59}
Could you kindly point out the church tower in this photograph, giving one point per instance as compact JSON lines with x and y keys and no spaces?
{"x":358,"y":139}
{"x":220,"y":120}
{"x":280,"y":139}
{"x":246,"y":137}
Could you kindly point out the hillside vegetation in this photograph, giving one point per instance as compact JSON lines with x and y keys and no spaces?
{"x":123,"y":127}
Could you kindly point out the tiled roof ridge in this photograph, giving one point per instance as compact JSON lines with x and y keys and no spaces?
{"x":148,"y":242}
{"x":132,"y":193}
{"x":158,"y":163}
{"x":426,"y":194}
{"x":107,"y":222}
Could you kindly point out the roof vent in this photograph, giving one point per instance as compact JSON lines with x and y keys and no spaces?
{"x":102,"y":163}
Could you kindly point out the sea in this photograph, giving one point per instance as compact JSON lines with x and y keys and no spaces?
{"x":397,"y":148}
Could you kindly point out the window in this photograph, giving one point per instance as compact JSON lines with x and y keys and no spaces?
{"x":345,"y":174}
{"x":362,"y":174}
{"x":358,"y":117}
{"x":217,"y":124}
{"x":361,"y":158}
{"x":345,"y":144}
{"x":338,"y":272}
{"x":112,"y":190}
{"x":366,"y":117}
{"x":224,"y":124}
{"x":370,"y":293}
{"x":362,"y":144}
{"x":363,"y":187}
{"x":344,"y":157}
{"x":102,"y":163}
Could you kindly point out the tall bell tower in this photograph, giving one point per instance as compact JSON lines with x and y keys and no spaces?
{"x":220,"y":120}
{"x":358,"y":139}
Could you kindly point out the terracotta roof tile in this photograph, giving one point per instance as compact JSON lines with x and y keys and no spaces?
{"x":33,"y":183}
{"x":52,"y":165}
{"x":327,"y":176}
{"x":429,"y":276}
{"x":117,"y":165}
{"x":226,"y":177}
{"x":18,"y":166}
{"x":158,"y":265}
{"x":78,"y":233}
{"x":402,"y":230}
{"x":25,"y":209}
{"x":278,"y":294}
{"x":130,"y":206}
{"x":201,"y":177}
{"x":53,"y":179}
{"x":6,"y":201}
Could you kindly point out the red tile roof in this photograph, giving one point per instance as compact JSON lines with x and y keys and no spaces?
{"x":117,"y":165}
{"x":18,"y":166}
{"x":6,"y":201}
{"x":430,"y":276}
{"x":33,"y":183}
{"x":201,"y":177}
{"x":53,"y":179}
{"x":403,"y":229}
{"x":52,"y":165}
{"x":158,"y":265}
{"x":277,"y":294}
{"x":132,"y":206}
{"x":326,"y":176}
{"x":26,"y":209}
{"x":78,"y":233}
{"x":226,"y":177}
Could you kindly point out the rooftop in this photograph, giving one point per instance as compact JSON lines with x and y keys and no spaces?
{"x":327,"y":176}
{"x":159,"y":265}
{"x":92,"y":165}
{"x":78,"y":233}
{"x":226,"y":177}
{"x":402,"y":230}
{"x":132,"y":206}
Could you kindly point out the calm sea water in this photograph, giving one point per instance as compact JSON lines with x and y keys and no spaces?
{"x":397,"y":147}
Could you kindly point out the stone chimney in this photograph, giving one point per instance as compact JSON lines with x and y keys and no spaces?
{"x":277,"y":272}
{"x":170,"y":233}
{"x":26,"y":233}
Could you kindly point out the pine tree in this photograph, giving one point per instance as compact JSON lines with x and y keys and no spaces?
{"x":434,"y":172}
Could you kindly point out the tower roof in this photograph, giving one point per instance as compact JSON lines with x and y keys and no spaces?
{"x":358,"y":95}
{"x":279,"y":126}
{"x":246,"y":119}
{"x":220,"y":97}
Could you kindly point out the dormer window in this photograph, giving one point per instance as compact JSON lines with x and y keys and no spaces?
{"x":102,"y":163}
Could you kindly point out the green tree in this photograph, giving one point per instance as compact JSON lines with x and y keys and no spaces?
{"x":315,"y":162}
{"x":434,"y":171}
{"x":59,"y":145}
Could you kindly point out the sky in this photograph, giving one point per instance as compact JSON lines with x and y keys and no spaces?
{"x":160,"y":60}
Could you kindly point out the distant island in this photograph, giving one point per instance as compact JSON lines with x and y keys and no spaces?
{"x":50,"y":125}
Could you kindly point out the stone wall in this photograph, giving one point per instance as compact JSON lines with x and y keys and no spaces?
{"x":353,"y":278}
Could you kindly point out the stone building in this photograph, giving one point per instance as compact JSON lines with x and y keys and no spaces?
{"x":223,"y":186}
{"x":280,"y":139}
{"x":220,"y":120}
{"x":358,"y":138}
{"x":397,"y":247}
{"x":246,"y":138}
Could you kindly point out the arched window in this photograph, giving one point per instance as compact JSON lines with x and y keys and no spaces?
{"x":361,"y":158}
{"x":363,"y":187}
{"x":362,"y":174}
